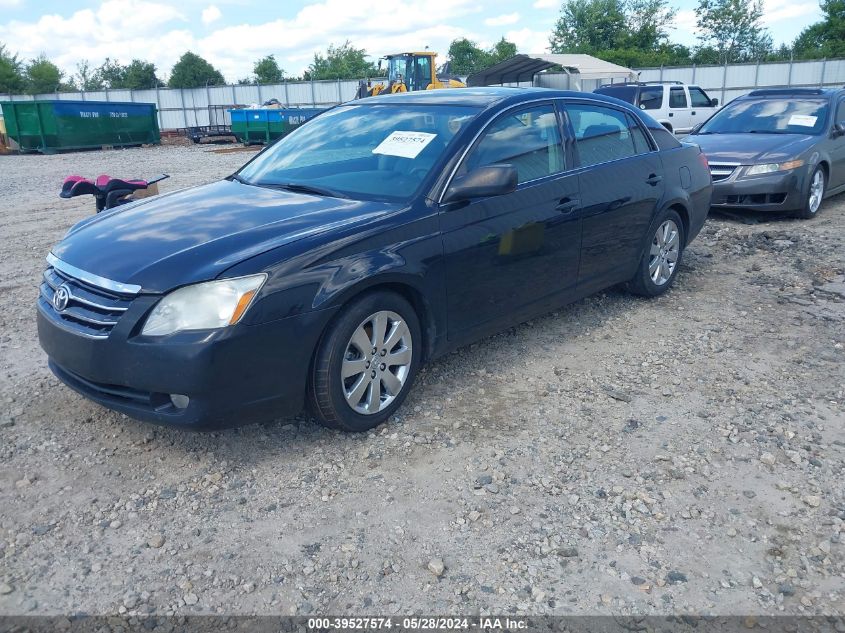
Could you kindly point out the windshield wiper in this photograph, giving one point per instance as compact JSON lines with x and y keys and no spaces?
{"x":303,"y":188}
{"x":240,"y":179}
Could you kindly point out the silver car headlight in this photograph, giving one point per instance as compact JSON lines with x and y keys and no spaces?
{"x":770,"y":168}
{"x":204,"y":306}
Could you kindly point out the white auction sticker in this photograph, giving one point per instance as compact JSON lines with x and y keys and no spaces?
{"x":404,"y":144}
{"x":803,"y":120}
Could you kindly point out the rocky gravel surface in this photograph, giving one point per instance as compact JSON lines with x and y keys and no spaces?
{"x":626,"y":456}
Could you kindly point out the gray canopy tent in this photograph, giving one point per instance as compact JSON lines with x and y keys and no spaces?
{"x":522,"y":67}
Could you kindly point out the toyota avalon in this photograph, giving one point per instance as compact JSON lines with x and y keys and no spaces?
{"x":377,"y":236}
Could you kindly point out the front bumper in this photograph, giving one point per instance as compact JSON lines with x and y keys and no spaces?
{"x":781,"y":191}
{"x":233,"y":376}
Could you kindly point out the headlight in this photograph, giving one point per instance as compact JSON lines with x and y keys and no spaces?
{"x":205,"y":306}
{"x":770,"y":168}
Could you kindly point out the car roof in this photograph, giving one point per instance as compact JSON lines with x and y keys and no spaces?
{"x":650,"y":84}
{"x":792,"y":92}
{"x":482,"y":97}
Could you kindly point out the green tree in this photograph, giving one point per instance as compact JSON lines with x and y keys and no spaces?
{"x":111,"y":73}
{"x":825,"y":38}
{"x":732,"y":29}
{"x":137,"y":75}
{"x":587,"y":26}
{"x":267,"y":71}
{"x":11,"y":72}
{"x":501,"y":51}
{"x":466,"y":57}
{"x":341,"y":62}
{"x":647,"y":24}
{"x":192,"y":71}
{"x":86,"y":78}
{"x":43,"y":76}
{"x":140,"y":75}
{"x":666,"y":54}
{"x":623,"y":29}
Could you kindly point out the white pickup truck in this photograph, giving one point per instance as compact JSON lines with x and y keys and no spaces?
{"x":677,"y":106}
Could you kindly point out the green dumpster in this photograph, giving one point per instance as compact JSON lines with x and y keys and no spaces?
{"x":254,"y":125}
{"x":52,"y":126}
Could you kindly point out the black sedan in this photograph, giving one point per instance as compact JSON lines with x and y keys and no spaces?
{"x":777,"y":150}
{"x":376,"y":237}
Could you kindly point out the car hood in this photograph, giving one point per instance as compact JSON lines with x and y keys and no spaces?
{"x":195,"y":234}
{"x":750,"y":149}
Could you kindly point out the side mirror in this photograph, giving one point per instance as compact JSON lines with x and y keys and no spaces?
{"x":714,"y":102}
{"x":483,"y":182}
{"x":839,"y":129}
{"x":696,"y":129}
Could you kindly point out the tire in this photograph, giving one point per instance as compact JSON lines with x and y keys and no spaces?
{"x":371,"y":391}
{"x":814,"y":194}
{"x":661,"y":256}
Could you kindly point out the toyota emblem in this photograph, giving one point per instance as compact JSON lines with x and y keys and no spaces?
{"x":61,"y":298}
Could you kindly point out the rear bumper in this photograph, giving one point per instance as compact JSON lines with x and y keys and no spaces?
{"x":776,"y":192}
{"x":232,"y":377}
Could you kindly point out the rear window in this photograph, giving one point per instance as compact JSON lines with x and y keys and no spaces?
{"x":651,"y":98}
{"x":664,"y":138}
{"x":625,"y":93}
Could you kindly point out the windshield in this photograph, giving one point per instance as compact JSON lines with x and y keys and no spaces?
{"x":769,"y":116}
{"x":377,"y":152}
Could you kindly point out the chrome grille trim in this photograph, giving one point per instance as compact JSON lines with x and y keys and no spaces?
{"x":91,"y":310}
{"x":722,"y":171}
{"x":92,"y":279}
{"x":47,"y":308}
{"x":77,"y":296}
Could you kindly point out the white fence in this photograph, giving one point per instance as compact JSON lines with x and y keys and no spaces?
{"x":182,"y":108}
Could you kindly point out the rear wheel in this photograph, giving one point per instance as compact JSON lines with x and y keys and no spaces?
{"x":366,"y":362}
{"x":814,"y":195}
{"x":661,"y":257}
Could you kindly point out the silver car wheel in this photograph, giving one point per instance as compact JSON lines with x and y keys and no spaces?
{"x":376,"y":362}
{"x":663,"y":256}
{"x":816,"y":191}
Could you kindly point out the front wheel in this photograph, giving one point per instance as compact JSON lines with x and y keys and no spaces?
{"x":366,"y":362}
{"x":661,"y":257}
{"x":814,"y":194}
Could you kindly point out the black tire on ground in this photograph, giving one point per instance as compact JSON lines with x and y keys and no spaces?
{"x":327,"y":388}
{"x":807,"y":210}
{"x":644,"y":282}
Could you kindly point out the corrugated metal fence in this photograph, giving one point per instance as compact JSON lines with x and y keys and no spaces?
{"x":181,"y":108}
{"x":184,"y":107}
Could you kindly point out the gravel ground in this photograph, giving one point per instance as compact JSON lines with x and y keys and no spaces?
{"x":684,"y":454}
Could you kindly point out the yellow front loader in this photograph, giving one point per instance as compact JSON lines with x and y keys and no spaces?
{"x":407,"y":72}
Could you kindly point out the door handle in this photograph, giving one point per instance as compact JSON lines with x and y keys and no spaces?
{"x":567,"y":205}
{"x":654,"y":180}
{"x":671,"y":114}
{"x":693,"y":112}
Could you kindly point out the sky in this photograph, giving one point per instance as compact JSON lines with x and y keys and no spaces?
{"x":232,"y":34}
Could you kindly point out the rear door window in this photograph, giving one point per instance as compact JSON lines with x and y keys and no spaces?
{"x":602,"y":134}
{"x":677,"y":98}
{"x":641,"y":144}
{"x":651,"y":98}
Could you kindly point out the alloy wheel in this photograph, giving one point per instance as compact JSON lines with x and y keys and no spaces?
{"x":816,"y":191}
{"x":376,"y":362}
{"x":665,"y":249}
